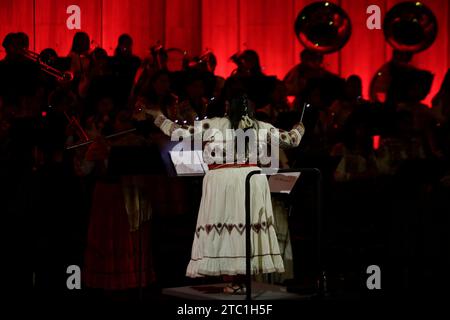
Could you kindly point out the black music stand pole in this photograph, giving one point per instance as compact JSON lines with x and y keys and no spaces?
{"x":248,"y":242}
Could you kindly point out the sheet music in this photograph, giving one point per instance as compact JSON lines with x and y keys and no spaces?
{"x":188,"y":163}
{"x":283,"y":182}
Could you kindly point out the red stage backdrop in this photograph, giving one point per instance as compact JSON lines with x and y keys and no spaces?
{"x":224,"y":26}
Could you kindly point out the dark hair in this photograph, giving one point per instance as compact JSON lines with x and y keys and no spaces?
{"x":49,"y":52}
{"x":19,"y":40}
{"x":252,"y":56}
{"x":23,"y":41}
{"x":80,"y":43}
{"x":99,"y":53}
{"x":353,"y":83}
{"x":125,"y":37}
{"x":8,"y":40}
{"x":122,"y":38}
{"x":239,"y":107}
{"x":48,"y":56}
{"x":354,"y":79}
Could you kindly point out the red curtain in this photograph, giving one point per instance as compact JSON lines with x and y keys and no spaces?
{"x":224,"y":26}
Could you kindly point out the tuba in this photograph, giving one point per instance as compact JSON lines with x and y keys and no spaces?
{"x":409,"y":27}
{"x":323,"y":27}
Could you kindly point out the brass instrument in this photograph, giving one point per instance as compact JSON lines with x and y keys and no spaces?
{"x":410,"y":27}
{"x":176,"y":59}
{"x":58,"y":74}
{"x":323,"y":27}
{"x":206,"y":61}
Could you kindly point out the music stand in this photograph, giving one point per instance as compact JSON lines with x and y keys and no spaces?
{"x":318,"y":212}
{"x":198,"y":170}
{"x":136,"y":160}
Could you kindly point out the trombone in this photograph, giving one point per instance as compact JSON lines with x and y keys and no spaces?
{"x":58,"y":74}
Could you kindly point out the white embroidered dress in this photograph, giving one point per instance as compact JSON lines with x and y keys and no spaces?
{"x":219,"y":239}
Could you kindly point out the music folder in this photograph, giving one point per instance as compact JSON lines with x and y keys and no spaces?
{"x":188,"y":162}
{"x":283,"y":182}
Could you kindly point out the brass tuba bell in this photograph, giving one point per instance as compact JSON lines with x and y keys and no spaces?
{"x":410,"y":27}
{"x":323,"y":27}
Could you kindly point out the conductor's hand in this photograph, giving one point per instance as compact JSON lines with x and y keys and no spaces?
{"x":301,"y":128}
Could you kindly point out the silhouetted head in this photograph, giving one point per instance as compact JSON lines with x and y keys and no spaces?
{"x":249,"y":62}
{"x":15,"y":43}
{"x":124,"y":45}
{"x":81,"y":43}
{"x":99,"y":54}
{"x":238,"y":106}
{"x":48,"y":56}
{"x":22,"y":41}
{"x":403,"y":57}
{"x":311,"y":58}
{"x":8,"y":44}
{"x":353,"y":87}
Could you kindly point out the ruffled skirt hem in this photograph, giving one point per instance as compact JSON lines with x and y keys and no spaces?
{"x":234,"y":266}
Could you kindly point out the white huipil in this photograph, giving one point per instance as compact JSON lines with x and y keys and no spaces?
{"x":219,"y":239}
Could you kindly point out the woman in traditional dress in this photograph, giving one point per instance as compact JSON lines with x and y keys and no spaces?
{"x":219,"y":241}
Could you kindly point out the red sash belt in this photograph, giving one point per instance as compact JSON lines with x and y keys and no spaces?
{"x":231,"y":165}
